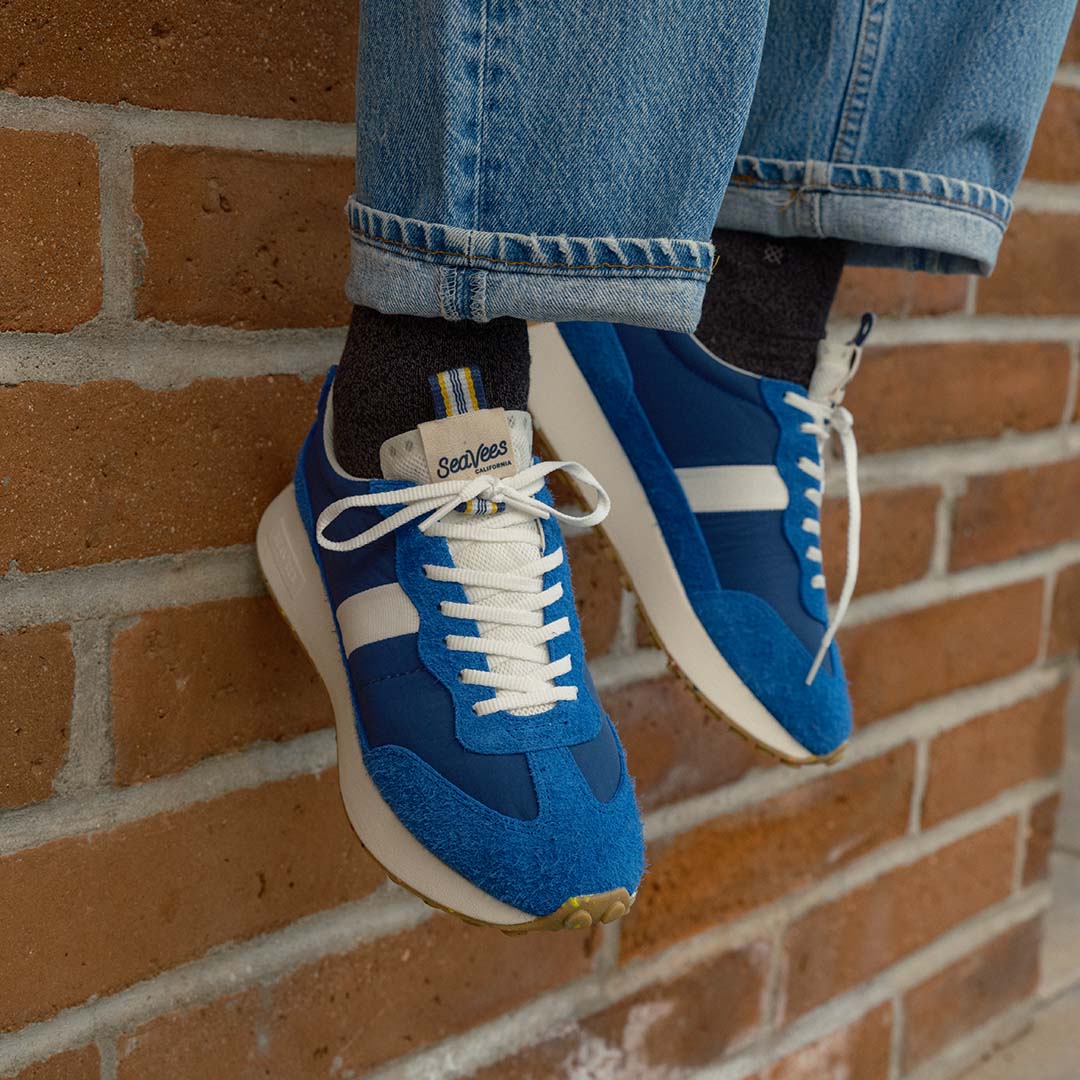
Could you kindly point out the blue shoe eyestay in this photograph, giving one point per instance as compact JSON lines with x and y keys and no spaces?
{"x":716,"y":480}
{"x":476,"y":763}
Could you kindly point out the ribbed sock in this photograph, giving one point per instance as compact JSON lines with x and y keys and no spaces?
{"x":768,"y":301}
{"x":382,"y":389}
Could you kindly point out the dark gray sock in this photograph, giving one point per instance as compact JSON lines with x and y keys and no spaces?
{"x":768,"y":300}
{"x":382,"y":389}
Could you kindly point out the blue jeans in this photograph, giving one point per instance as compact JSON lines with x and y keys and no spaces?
{"x":568,"y":159}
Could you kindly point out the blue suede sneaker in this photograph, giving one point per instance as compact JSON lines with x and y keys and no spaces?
{"x":716,"y":481}
{"x":476,"y":763}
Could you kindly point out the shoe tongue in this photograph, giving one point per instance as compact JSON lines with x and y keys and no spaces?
{"x":418,"y":455}
{"x":832,"y":371}
{"x":466,"y":438}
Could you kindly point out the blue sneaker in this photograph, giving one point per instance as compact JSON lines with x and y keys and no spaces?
{"x":716,"y":481}
{"x":476,"y":763}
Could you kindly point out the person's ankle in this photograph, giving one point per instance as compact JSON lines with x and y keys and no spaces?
{"x":382,"y":388}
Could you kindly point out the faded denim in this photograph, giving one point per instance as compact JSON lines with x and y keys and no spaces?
{"x":568,"y":161}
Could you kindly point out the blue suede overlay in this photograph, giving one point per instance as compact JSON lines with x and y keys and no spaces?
{"x":532,"y":809}
{"x":749,"y":632}
{"x":575,"y":844}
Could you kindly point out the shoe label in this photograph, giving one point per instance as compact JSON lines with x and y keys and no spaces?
{"x":471,"y":444}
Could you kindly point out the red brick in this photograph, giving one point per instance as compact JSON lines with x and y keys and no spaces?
{"x":294,"y":60}
{"x":970,"y":992}
{"x":683,"y":1023}
{"x":37,"y":681}
{"x":860,"y":1051}
{"x":1072,"y":43}
{"x":899,"y":661}
{"x":918,"y":395}
{"x":838,"y":945}
{"x":896,"y":543}
{"x":345,"y":1014}
{"x":728,"y":866}
{"x":974,"y":762}
{"x":1002,"y":515}
{"x":108,"y":470}
{"x":1065,"y":618}
{"x":1055,"y":156}
{"x":84,"y":1064}
{"x":1040,"y":839}
{"x":243,"y":239}
{"x":676,"y":747}
{"x":93,"y":914}
{"x":194,"y":681}
{"x":50,"y":260}
{"x":1036,"y":269}
{"x":597,"y":590}
{"x":898,"y":293}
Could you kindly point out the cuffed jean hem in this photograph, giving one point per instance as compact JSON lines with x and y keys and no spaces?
{"x":892,"y":217}
{"x":408,"y":267}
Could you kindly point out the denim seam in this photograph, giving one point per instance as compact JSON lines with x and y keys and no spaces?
{"x":377,"y":240}
{"x":823,"y":187}
{"x":863,"y":69}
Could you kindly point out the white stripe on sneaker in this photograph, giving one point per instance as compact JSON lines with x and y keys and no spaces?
{"x":375,"y":615}
{"x":727,"y":488}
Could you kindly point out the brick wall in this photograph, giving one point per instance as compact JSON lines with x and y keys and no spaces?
{"x":180,"y":894}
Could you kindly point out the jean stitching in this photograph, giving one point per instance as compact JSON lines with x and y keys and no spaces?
{"x":864,"y":62}
{"x":364,"y":235}
{"x":742,"y":181}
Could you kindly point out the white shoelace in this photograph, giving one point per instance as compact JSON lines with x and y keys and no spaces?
{"x":828,"y":418}
{"x":525,"y":612}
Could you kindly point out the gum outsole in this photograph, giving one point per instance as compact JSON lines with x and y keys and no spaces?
{"x":548,"y":452}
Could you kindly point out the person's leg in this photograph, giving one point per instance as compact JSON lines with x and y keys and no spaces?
{"x":884,"y":132}
{"x":554,"y":161}
{"x":898,"y":126}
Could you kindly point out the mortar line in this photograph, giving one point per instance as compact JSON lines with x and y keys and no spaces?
{"x":918,"y":788}
{"x":107,"y":1051}
{"x":97,"y":810}
{"x":918,"y":466}
{"x":896,"y":1038}
{"x":929,"y":592}
{"x":89,"y":758}
{"x":1072,"y":388}
{"x":113,"y":347}
{"x":1046,"y":197}
{"x":963,"y":328}
{"x":113,"y":590}
{"x":971,"y":295}
{"x":943,"y":528}
{"x":1042,"y":654}
{"x":116,"y":201}
{"x":134,"y":125}
{"x":1020,"y":858}
{"x":1067,"y":74}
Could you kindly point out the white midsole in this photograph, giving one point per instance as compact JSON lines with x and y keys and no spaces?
{"x":295,"y":581}
{"x":570,"y":418}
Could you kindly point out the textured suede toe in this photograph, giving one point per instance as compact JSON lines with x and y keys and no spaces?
{"x":576,"y":845}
